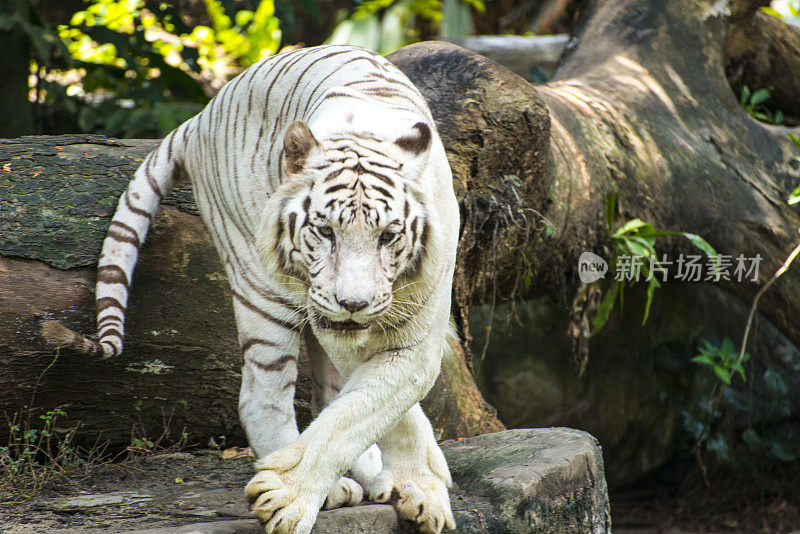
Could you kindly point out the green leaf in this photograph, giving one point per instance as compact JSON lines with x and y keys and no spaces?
{"x":703,"y":359}
{"x":651,"y":288}
{"x":629,"y":226}
{"x":760,"y":96}
{"x":794,"y":198}
{"x":738,"y":400}
{"x":611,"y":205}
{"x":770,"y":11}
{"x":776,"y":382}
{"x":605,"y":307}
{"x":737,"y":368}
{"x":644,"y":244}
{"x":795,"y":140}
{"x":780,"y":451}
{"x":696,"y":240}
{"x":723,"y":374}
{"x":745,"y":96}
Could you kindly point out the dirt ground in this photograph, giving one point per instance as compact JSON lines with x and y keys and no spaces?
{"x":182,"y":488}
{"x":160,"y":490}
{"x":750,"y":500}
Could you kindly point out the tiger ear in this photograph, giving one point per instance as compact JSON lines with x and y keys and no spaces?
{"x":417,"y":140}
{"x":298,"y":142}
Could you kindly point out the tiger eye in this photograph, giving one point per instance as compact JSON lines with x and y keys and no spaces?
{"x":327,"y":231}
{"x":386,"y":237}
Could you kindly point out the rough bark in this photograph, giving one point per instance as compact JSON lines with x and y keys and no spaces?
{"x":181,"y":357}
{"x":640,"y":107}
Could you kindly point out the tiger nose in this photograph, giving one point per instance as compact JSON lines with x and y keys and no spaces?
{"x":353,"y":305}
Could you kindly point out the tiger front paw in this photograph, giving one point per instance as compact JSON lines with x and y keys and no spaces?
{"x":284,"y":500}
{"x":421,"y":499}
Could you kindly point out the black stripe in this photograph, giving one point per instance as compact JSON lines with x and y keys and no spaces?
{"x":249,"y":343}
{"x":382,"y":177}
{"x":110,"y":317}
{"x":334,"y":188}
{"x":110,"y":332}
{"x":134,"y":210}
{"x":255,"y":309}
{"x":112,"y":274}
{"x":383,"y":191}
{"x":116,"y":236}
{"x":153,"y":184}
{"x":104,"y":303}
{"x":275,"y":365}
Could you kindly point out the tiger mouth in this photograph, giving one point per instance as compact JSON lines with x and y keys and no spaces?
{"x":342,"y":325}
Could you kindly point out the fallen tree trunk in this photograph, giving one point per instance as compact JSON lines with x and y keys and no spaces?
{"x":181,"y":365}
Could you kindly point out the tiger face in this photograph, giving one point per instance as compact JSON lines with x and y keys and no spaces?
{"x":350,"y":227}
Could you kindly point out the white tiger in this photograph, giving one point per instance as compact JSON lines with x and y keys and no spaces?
{"x":325,"y":187}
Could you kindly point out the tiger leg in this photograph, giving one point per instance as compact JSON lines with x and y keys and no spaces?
{"x":415,"y":471}
{"x":269,"y":373}
{"x":293,"y":482}
{"x":326,"y":384}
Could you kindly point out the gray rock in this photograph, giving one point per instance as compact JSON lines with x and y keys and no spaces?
{"x":365,"y":519}
{"x":517,"y":481}
{"x":92,"y":500}
{"x":535,"y":480}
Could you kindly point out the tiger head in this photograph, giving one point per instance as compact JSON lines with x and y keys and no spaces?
{"x":348,"y":229}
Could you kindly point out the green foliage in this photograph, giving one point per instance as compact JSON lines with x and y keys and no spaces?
{"x":144,"y":72}
{"x":746,"y":445}
{"x":723,"y":359}
{"x":635,"y":239}
{"x":144,"y":443}
{"x":40,"y":450}
{"x":386,"y":25}
{"x":753,"y":104}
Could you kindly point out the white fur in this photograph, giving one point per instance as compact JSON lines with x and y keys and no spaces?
{"x":368,"y":383}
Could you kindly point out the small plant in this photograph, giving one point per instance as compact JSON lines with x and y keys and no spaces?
{"x":753,"y":104}
{"x":723,"y":359}
{"x":725,"y":365}
{"x":40,"y":451}
{"x":725,"y":362}
{"x":737,"y":447}
{"x":142,"y":443}
{"x":636,"y":239}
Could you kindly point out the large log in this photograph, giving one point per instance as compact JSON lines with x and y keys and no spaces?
{"x":181,"y":358}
